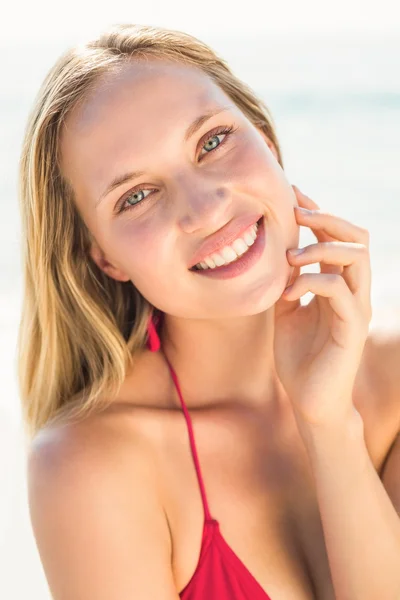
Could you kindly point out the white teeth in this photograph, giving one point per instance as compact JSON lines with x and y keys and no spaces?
{"x":240,"y":246}
{"x":208,"y":262}
{"x":248,"y":238}
{"x":253,"y":233}
{"x":217,"y":258}
{"x":230,"y":253}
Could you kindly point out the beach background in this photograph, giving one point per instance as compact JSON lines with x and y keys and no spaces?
{"x":334,"y":94}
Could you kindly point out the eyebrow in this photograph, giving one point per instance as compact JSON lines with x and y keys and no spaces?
{"x":190,"y":131}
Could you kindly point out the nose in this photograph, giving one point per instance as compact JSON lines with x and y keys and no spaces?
{"x":205,"y":208}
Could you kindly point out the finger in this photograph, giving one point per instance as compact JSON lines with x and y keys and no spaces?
{"x":304,"y":200}
{"x":352,"y":257}
{"x":339,"y":228}
{"x":321,"y":236}
{"x":319,"y":229}
{"x":324,"y":233}
{"x":332,"y":287}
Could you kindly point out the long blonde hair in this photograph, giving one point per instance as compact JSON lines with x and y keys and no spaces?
{"x":80,"y":329}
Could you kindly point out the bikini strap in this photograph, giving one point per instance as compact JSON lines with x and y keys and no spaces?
{"x":207,"y":513}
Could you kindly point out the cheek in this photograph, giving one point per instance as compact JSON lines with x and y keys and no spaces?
{"x":258,"y":173}
{"x":253,"y":167}
{"x":141,"y":248}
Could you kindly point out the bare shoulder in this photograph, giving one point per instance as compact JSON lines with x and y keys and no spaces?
{"x":96,"y":513}
{"x":377,"y":394}
{"x":95,"y":444}
{"x":383,"y":364}
{"x":385,"y":372}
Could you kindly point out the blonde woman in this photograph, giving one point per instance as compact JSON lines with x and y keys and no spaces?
{"x":195,"y":432}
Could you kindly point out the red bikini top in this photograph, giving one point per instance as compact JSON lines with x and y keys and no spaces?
{"x":219,"y":574}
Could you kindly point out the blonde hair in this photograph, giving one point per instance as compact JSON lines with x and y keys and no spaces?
{"x":80,"y":329}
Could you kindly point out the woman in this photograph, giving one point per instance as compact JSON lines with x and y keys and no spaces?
{"x":194,"y":428}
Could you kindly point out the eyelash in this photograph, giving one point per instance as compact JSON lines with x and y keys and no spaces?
{"x":219,"y":131}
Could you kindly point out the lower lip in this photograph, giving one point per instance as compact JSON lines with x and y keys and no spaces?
{"x":243,"y":264}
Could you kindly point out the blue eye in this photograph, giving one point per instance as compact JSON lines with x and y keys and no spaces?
{"x":120,"y":205}
{"x":215,"y":135}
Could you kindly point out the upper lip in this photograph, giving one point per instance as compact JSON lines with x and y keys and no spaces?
{"x":224,"y":237}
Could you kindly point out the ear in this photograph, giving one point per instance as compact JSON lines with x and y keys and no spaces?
{"x":99,"y":258}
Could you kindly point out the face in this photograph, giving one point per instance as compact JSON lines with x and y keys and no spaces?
{"x":148,"y":229}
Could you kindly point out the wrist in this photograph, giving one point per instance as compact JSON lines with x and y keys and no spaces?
{"x":331,"y":432}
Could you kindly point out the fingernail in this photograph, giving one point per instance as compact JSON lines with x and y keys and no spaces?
{"x":296,"y":251}
{"x":303,"y":211}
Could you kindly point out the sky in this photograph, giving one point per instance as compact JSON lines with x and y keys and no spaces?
{"x":48,"y":20}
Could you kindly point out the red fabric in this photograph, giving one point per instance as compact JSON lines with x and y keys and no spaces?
{"x":153,"y":340}
{"x":219,"y":574}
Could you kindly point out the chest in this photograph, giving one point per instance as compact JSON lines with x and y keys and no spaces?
{"x":260,"y":488}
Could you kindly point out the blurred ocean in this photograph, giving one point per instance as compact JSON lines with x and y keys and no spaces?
{"x":336,"y":106}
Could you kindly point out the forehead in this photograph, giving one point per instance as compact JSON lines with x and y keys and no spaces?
{"x":130,"y":108}
{"x":149,"y":84}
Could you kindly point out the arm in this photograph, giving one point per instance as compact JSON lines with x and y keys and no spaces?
{"x":101,"y":532}
{"x":359,"y":513}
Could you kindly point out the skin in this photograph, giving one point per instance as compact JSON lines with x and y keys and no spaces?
{"x":111,"y":487}
{"x":135,"y":120}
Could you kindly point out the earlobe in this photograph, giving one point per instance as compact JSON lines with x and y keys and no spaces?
{"x":109,"y":269}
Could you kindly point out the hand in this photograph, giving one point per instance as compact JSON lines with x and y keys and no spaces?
{"x":318,"y":346}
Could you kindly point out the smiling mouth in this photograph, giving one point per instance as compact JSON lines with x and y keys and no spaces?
{"x":196,"y":268}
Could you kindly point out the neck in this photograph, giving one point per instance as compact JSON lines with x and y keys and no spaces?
{"x":224,"y":361}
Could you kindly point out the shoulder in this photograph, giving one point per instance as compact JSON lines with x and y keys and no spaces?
{"x":127,"y":431}
{"x":96,"y":511}
{"x":112,"y":454}
{"x":385,"y":373}
{"x":377,"y":393}
{"x":382,"y":357}
{"x":94,"y":445}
